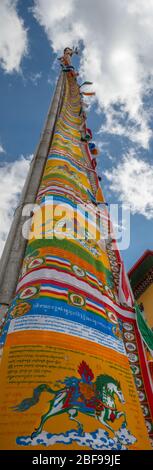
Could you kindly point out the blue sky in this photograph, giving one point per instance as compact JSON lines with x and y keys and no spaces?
{"x":121,"y":116}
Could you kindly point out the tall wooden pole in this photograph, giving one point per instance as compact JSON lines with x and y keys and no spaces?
{"x":15,"y":245}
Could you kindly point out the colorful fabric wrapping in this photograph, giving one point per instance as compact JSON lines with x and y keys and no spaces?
{"x":66,"y":355}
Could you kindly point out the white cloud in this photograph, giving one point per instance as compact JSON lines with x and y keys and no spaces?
{"x":13,"y":36}
{"x":2,"y":149}
{"x":35,"y":78}
{"x":132,"y":181}
{"x":117,"y":56}
{"x":12,"y":177}
{"x":138,"y":133}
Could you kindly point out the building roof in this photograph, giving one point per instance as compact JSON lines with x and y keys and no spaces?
{"x":141,"y":273}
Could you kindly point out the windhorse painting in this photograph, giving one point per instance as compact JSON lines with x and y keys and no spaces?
{"x":93,"y":396}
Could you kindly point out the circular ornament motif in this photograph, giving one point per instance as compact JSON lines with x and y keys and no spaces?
{"x":138,"y":382}
{"x":78,"y":271}
{"x":149,"y":426}
{"x":141,"y":396}
{"x":77,"y":300}
{"x":132,"y":357}
{"x":129,"y":336}
{"x":130,"y":346}
{"x":128,"y":326}
{"x":115,"y":268}
{"x":116,"y":275}
{"x":36,"y":262}
{"x":145,"y":410}
{"x":151,"y":442}
{"x":135,"y":369}
{"x":28,"y":292}
{"x":109,"y":292}
{"x":113,"y":317}
{"x":20,"y":309}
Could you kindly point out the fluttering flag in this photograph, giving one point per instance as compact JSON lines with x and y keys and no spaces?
{"x":92,"y":93}
{"x":86,"y":83}
{"x":125,"y":292}
{"x":89,"y":132}
{"x":144,"y":330}
{"x":93,"y":149}
{"x":94,"y":163}
{"x":92,"y":146}
{"x":94,"y":152}
{"x":86,"y":134}
{"x":67,"y":68}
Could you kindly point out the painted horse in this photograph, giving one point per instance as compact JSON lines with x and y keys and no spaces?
{"x":80,"y":395}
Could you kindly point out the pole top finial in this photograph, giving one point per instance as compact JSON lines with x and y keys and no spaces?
{"x":67,"y":55}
